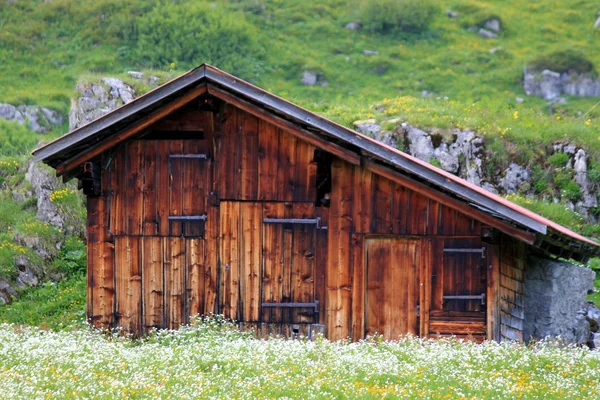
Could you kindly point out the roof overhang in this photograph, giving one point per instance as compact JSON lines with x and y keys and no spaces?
{"x":80,"y":145}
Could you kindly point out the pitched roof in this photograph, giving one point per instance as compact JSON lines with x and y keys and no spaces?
{"x":78,"y":142}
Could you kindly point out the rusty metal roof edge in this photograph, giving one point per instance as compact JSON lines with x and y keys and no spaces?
{"x":90,"y":129}
{"x":354,"y":138}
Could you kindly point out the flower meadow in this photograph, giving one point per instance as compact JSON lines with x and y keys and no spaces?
{"x":211,"y":359}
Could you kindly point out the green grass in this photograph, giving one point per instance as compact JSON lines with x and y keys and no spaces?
{"x":63,"y":39}
{"x":213,"y":360}
{"x":55,"y":306}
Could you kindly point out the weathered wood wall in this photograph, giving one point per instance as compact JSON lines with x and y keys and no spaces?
{"x":149,"y":270}
{"x":512,"y":286}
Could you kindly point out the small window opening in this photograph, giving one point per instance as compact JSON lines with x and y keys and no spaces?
{"x":323,"y":160}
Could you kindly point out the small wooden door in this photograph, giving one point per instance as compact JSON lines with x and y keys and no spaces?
{"x":458,"y":289}
{"x":392,"y":270}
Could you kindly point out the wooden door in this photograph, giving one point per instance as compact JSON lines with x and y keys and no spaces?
{"x":288,"y":283}
{"x":267,"y":253}
{"x":392,"y":270}
{"x":459,"y":289}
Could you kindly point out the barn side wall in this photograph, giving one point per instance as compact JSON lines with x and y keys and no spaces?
{"x":149,"y":268}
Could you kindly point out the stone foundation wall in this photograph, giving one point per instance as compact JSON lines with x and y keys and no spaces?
{"x":555,"y":300}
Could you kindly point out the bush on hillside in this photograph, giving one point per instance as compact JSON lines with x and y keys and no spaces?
{"x":191,"y":33}
{"x":385,"y":16}
{"x":563,"y":61}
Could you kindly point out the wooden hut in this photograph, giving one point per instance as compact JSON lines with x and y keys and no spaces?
{"x":210,"y":195}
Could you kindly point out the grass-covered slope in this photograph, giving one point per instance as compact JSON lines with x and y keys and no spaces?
{"x":46,"y":46}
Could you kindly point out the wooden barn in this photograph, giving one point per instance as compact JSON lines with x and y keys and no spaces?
{"x":210,"y":195}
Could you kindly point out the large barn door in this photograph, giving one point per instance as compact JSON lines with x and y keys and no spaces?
{"x":288,"y":282}
{"x":392,"y":269}
{"x":267,"y":253}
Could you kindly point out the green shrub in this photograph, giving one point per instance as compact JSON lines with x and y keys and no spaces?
{"x":72,"y":257}
{"x":559,"y":160}
{"x":569,"y":189}
{"x":189,"y":33}
{"x":540,"y":179}
{"x":563,"y":61}
{"x":389,"y":16}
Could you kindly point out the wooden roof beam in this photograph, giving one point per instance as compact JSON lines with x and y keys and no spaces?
{"x":130,"y":131}
{"x":345,"y":154}
{"x":448,"y":201}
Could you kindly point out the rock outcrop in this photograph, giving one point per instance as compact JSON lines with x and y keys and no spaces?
{"x":39,"y":119}
{"x":43,"y":183}
{"x":311,"y":78}
{"x":551,"y":85}
{"x":97,"y":99}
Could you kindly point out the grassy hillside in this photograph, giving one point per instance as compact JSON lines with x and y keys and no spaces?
{"x":46,"y":46}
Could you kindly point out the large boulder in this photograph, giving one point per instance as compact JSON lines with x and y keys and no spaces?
{"x":551,"y":85}
{"x":555,"y":300}
{"x":39,"y":119}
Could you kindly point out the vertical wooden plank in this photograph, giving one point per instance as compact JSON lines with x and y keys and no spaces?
{"x":129,"y":284}
{"x":492,"y":300}
{"x":228,"y":155}
{"x":286,"y":274}
{"x":425,"y":286}
{"x":382,"y":211}
{"x":251,"y":235}
{"x":437,"y":277}
{"x":174,"y":261}
{"x":119,"y":190}
{"x":152,"y":256}
{"x":175,"y":187}
{"x":413,"y":287}
{"x":358,"y":287}
{"x":286,"y":180}
{"x":104,"y":276}
{"x":249,"y":156}
{"x":268,"y":143}
{"x":363,"y":197}
{"x":212,"y":259}
{"x":195,"y":285}
{"x":399,"y":207}
{"x":93,"y":246}
{"x":339,"y":232}
{"x":150,"y":225}
{"x":135,"y":188}
{"x":432,"y":217}
{"x":230,"y":257}
{"x":417,"y":217}
{"x":162,"y":186}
